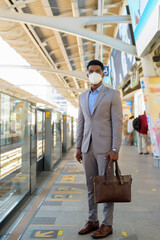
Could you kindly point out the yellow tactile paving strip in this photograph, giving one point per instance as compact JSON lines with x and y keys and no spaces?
{"x":52,"y":225}
{"x":52,"y":200}
{"x":65,"y":192}
{"x":18,"y":231}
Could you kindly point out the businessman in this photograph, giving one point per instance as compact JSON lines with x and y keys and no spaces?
{"x":99,"y":133}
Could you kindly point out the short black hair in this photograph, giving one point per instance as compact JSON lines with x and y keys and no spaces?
{"x":96,"y":62}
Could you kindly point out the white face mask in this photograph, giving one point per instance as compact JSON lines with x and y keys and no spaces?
{"x":95,"y":78}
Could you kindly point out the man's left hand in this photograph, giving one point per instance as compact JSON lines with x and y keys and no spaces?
{"x":113,"y":156}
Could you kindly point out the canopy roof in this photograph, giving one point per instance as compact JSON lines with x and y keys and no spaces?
{"x":58,"y":53}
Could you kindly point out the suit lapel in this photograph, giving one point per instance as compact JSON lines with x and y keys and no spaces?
{"x":99,"y":98}
{"x":87,"y":101}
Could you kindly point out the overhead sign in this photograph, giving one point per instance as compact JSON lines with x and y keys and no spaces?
{"x":120,"y":62}
{"x":134,"y":80}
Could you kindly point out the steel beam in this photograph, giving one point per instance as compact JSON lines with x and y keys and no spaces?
{"x":75,"y":26}
{"x":59,"y":40}
{"x":77,"y":74}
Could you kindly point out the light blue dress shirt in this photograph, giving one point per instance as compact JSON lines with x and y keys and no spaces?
{"x":92,"y":98}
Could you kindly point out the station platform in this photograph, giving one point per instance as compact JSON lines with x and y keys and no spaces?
{"x":59,"y":206}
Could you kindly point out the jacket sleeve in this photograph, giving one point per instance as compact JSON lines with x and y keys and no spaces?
{"x":80,"y":127}
{"x":117,"y":120}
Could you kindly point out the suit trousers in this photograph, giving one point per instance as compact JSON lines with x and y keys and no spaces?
{"x":95,"y":164}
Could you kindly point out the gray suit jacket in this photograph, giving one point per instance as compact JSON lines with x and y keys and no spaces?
{"x":105,"y":123}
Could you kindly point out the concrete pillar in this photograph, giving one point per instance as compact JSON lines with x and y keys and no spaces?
{"x":148,"y":66}
{"x":150,"y":75}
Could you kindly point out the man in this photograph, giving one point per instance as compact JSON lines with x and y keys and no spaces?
{"x":143,"y":134}
{"x":99,"y":133}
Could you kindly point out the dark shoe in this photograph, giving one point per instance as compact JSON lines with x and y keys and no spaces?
{"x":89,"y":227}
{"x":102,"y":232}
{"x":140,"y":153}
{"x":146,"y":153}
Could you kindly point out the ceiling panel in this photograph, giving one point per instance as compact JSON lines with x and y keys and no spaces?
{"x":56,"y":50}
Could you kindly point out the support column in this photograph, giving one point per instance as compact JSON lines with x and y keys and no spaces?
{"x":150,"y":85}
{"x":148,"y":66}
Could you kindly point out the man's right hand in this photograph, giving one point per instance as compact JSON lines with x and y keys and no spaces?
{"x":79,"y":155}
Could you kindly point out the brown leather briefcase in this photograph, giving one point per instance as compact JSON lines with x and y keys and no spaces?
{"x":109,"y":188}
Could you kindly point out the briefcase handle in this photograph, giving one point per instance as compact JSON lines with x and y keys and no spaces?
{"x":117,"y":172}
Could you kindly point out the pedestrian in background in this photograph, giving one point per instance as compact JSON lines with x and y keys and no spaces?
{"x":130,"y":130}
{"x":142,"y":138}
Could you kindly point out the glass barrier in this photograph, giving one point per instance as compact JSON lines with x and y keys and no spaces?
{"x":14,"y":152}
{"x":69,"y":139}
{"x":44,"y":133}
{"x":56,"y":133}
{"x":39,"y":135}
{"x":74,"y":129}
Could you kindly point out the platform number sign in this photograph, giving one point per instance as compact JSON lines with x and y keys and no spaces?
{"x":106,"y":71}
